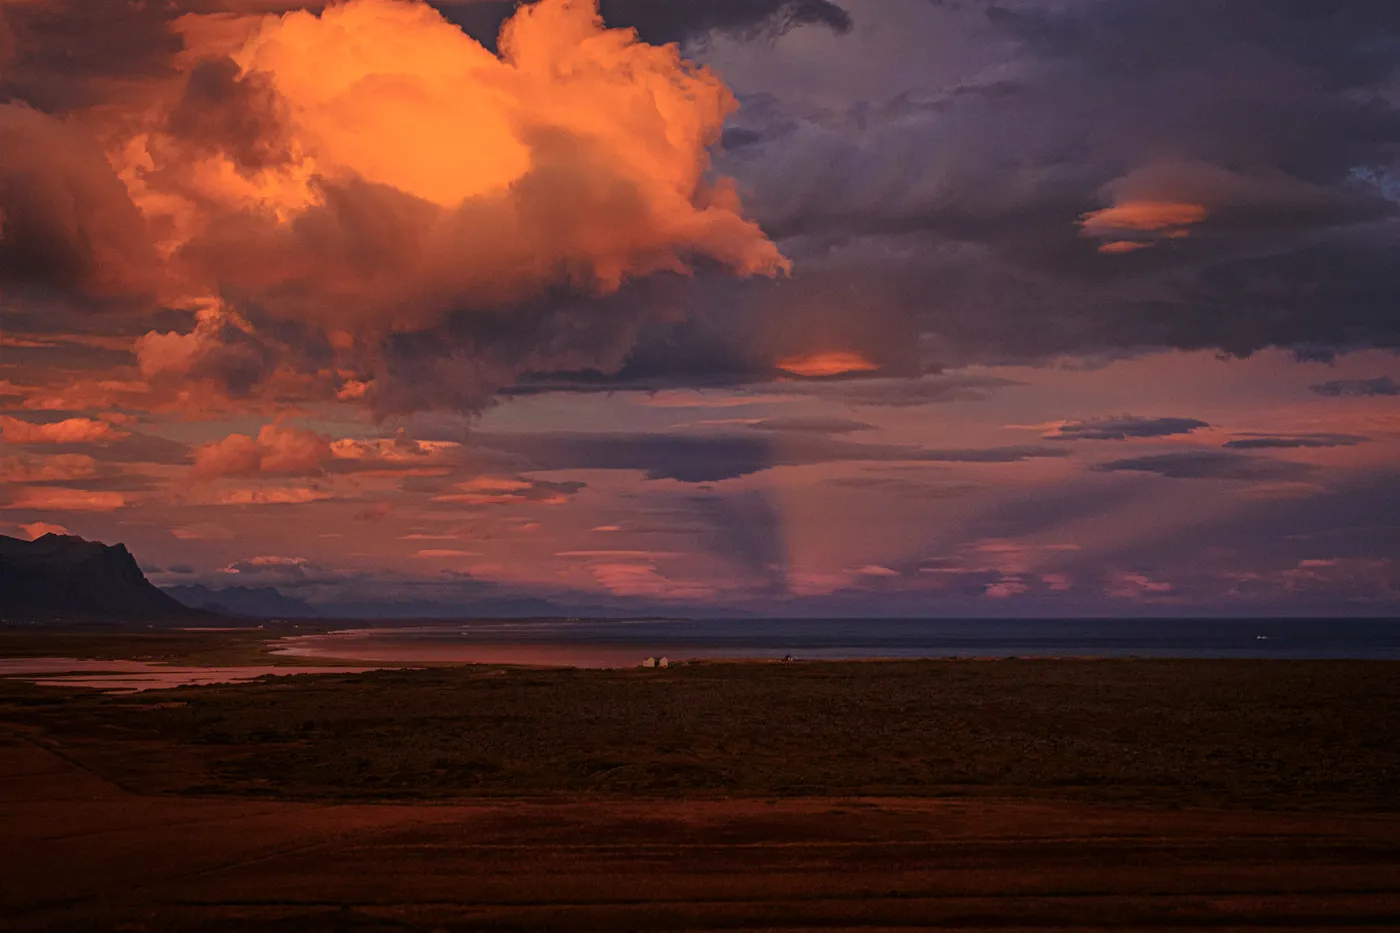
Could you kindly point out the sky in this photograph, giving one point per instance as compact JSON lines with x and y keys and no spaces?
{"x":778,"y":307}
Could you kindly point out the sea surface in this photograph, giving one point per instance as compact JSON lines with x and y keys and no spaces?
{"x":625,"y":643}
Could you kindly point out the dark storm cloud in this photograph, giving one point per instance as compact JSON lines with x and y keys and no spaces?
{"x":1210,"y":465}
{"x":1122,"y":428}
{"x":67,"y":225}
{"x":1381,"y":385}
{"x":667,"y":20}
{"x":1276,"y":120}
{"x":71,"y":53}
{"x":719,"y":457}
{"x":1296,"y":441}
{"x":225,"y":111}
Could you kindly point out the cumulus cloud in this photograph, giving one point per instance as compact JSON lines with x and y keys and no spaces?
{"x":276,"y":450}
{"x":66,"y":223}
{"x":319,"y":180}
{"x":67,"y":431}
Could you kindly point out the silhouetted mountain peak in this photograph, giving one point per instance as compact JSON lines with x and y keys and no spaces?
{"x":64,"y":576}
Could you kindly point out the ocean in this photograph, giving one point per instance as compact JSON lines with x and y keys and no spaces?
{"x":625,"y":643}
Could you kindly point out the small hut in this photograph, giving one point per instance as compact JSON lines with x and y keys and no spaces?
{"x":664,"y":662}
{"x":649,"y":662}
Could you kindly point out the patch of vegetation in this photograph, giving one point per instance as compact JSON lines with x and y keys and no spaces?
{"x":1250,"y":734}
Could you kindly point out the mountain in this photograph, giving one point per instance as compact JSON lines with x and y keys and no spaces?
{"x":62,"y":576}
{"x":257,"y":602}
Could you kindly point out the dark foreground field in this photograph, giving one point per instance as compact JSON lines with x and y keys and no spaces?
{"x":1122,"y":795}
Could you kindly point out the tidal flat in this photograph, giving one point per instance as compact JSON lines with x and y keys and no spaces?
{"x":912,"y":794}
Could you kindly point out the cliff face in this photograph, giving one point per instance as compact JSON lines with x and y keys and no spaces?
{"x":61,"y":576}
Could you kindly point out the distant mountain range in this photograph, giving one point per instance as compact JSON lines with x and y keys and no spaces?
{"x":66,"y":577}
{"x":255,"y":602}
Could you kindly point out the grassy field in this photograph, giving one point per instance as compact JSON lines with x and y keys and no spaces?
{"x":1230,"y":734}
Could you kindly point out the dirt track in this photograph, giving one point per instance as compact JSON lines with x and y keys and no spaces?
{"x":80,"y":853}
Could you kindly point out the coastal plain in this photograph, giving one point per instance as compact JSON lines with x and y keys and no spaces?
{"x":1010,"y":794}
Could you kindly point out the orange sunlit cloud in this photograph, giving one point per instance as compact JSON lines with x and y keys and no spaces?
{"x":1150,"y":219}
{"x":281,"y":495}
{"x":1118,"y":247}
{"x":827,"y":363}
{"x":57,"y":499}
{"x":56,"y":469}
{"x":509,"y":490}
{"x":579,"y":147}
{"x":393,"y":449}
{"x":68,"y":431}
{"x":36,"y":530}
{"x":276,"y":450}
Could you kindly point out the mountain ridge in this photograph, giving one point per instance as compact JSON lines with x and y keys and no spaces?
{"x":67,"y":577}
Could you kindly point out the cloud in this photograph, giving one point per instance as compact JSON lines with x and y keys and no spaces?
{"x":484,"y":491}
{"x":277,"y":450}
{"x":266,"y":495}
{"x":1124,"y":427}
{"x":69,"y":226}
{"x":68,"y":431}
{"x":401,"y":448}
{"x":827,"y":363}
{"x":813,"y":424}
{"x":265,"y":569}
{"x":1136,"y":586}
{"x":718,"y":457}
{"x":664,"y":21}
{"x":56,"y":469}
{"x":1210,"y":465}
{"x":1295,"y":441}
{"x":222,"y":349}
{"x":1255,"y":159}
{"x":315,"y":218}
{"x":1381,"y":385}
{"x":59,"y":499}
{"x":35,"y":530}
